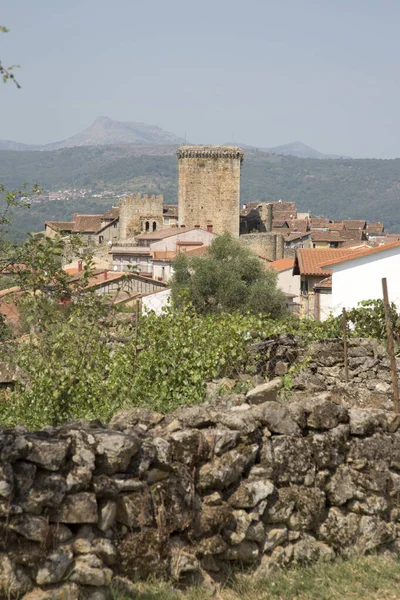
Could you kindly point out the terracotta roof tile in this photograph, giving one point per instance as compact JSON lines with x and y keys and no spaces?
{"x":336,"y":226}
{"x":325,"y":283}
{"x":326,"y":236}
{"x":111,"y":214}
{"x":318,"y":223}
{"x":358,"y":254}
{"x":298,"y":225}
{"x":308,"y":260}
{"x":163,"y":233}
{"x":60,"y":225}
{"x":354,"y":224}
{"x":197,"y":251}
{"x":282,"y":264}
{"x":87,"y":223}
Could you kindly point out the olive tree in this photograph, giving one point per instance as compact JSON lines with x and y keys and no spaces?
{"x":228,"y":277}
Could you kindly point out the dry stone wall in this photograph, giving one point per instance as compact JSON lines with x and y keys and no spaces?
{"x":319,"y":367}
{"x":251,"y":481}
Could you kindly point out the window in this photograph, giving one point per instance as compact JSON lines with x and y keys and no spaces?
{"x":147,"y":226}
{"x":115,"y":224}
{"x":154,"y":225}
{"x":101,"y":239}
{"x":334,"y":245}
{"x":304,"y":286}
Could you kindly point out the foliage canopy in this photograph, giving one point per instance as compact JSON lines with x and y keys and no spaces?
{"x":229,"y":277}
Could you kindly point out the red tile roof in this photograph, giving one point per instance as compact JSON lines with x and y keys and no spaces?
{"x":336,"y":226}
{"x":358,"y":254}
{"x":318,"y":223}
{"x":111,"y":214}
{"x":164,"y":233}
{"x":60,"y":225}
{"x":282,"y":264}
{"x":298,"y":225}
{"x":325,"y":283}
{"x":198,"y":251}
{"x":326,"y":236}
{"x":87,"y":223}
{"x":308,"y":260}
{"x":355,"y":224}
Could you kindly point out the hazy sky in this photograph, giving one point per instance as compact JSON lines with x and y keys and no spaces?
{"x":262,"y":72}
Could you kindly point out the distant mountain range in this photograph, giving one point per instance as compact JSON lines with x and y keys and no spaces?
{"x":106,"y":132}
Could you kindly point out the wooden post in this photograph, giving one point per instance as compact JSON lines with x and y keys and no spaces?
{"x":346,"y":359}
{"x":390,"y":343}
{"x":137,"y":323}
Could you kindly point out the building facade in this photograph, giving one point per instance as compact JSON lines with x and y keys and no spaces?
{"x":140,"y":214}
{"x":209,"y":187}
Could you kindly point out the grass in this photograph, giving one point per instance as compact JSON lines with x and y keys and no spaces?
{"x":366,"y":578}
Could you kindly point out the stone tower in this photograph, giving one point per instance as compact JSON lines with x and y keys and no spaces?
{"x":209,"y":187}
{"x":140,"y":214}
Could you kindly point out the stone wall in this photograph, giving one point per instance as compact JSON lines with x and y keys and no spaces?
{"x":248,"y":481}
{"x":270,"y":245}
{"x":319,"y":367}
{"x":138,"y":214}
{"x":209,"y":187}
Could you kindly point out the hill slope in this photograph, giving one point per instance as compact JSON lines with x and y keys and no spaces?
{"x":105,"y":131}
{"x":357,"y":188}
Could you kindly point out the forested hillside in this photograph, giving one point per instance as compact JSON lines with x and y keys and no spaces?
{"x":342,"y":188}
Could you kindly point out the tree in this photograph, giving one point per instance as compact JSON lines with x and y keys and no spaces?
{"x":7,"y":73}
{"x":228,"y":278}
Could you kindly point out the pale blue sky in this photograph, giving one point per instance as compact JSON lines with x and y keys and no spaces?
{"x":267,"y":72}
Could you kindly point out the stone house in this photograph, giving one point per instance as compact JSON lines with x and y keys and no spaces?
{"x":92,"y":229}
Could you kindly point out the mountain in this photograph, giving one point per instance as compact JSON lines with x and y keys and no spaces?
{"x":17,"y":146}
{"x":294,"y":149}
{"x":301,"y":151}
{"x":339,"y":189}
{"x":104,"y":131}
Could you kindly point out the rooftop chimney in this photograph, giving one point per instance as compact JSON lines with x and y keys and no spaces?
{"x":105,"y":275}
{"x":80,"y":266}
{"x":209,"y":228}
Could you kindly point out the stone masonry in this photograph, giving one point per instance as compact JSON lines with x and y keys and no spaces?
{"x":140,"y":214}
{"x":251,"y":480}
{"x":209,"y":187}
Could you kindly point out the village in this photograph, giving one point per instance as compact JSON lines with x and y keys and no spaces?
{"x":321,"y":263}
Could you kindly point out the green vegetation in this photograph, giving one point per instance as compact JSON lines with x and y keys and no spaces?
{"x":6,"y":73}
{"x":229,"y":277}
{"x":340,"y":188}
{"x":365,"y":578}
{"x":80,"y":362}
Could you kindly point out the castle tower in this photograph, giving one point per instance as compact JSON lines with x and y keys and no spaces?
{"x":209,"y":187}
{"x":140,"y":214}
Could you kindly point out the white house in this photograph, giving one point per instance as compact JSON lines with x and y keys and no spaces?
{"x":358,"y":276}
{"x":287,"y":282}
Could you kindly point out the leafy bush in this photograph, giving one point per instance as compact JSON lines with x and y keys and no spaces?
{"x":229,"y":277}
